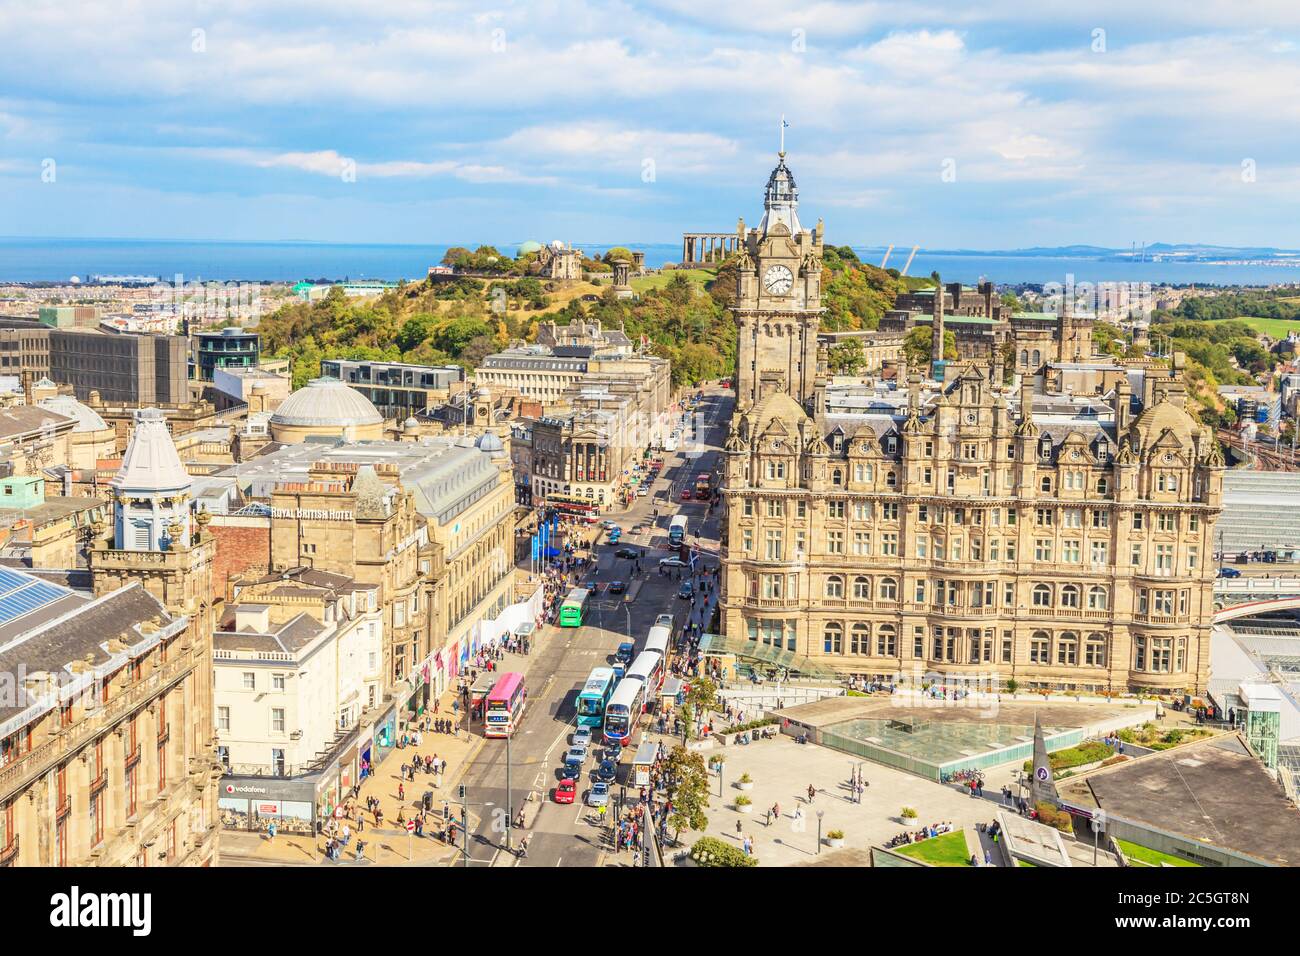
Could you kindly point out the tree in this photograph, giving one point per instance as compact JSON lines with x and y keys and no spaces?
{"x":917,"y":346}
{"x":415,"y":330}
{"x":703,"y":694}
{"x":618,"y":252}
{"x":688,"y":790}
{"x":454,"y":335}
{"x":847,"y":357}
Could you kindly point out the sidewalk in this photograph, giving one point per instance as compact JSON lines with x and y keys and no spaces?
{"x":386,"y":846}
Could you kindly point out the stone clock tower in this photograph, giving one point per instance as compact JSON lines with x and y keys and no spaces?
{"x":778,"y":298}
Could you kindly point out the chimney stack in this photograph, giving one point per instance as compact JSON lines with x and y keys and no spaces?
{"x":936,"y":331}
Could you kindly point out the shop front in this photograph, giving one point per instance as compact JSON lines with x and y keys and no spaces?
{"x":252,"y":803}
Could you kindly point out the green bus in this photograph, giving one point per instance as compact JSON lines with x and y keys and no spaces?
{"x":574,"y":608}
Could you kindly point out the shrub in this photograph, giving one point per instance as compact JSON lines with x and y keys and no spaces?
{"x":751,"y":725}
{"x":909,"y":813}
{"x":1053,"y":817}
{"x":710,"y":851}
{"x":743,"y":801}
{"x":746,"y":778}
{"x":1012,"y":686}
{"x":835,"y":834}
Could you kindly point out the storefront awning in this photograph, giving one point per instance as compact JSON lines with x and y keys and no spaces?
{"x":713,"y":645}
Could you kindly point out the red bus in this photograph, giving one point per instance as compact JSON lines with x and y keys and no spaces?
{"x":505,"y":706}
{"x":703,"y":486}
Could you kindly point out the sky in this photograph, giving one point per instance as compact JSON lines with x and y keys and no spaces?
{"x":994,"y":125}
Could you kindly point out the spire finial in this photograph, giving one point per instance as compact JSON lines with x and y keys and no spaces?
{"x":784,"y":124}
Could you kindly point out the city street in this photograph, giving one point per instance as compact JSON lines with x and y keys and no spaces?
{"x":563,"y":657}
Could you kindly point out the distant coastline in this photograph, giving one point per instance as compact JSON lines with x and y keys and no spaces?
{"x":54,"y":260}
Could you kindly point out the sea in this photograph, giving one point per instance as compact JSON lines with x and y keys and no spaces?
{"x":56,"y":260}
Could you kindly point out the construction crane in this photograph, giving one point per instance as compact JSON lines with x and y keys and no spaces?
{"x":909,"y":261}
{"x":885,"y":261}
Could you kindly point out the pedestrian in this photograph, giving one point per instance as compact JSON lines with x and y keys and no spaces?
{"x":270,"y":832}
{"x":812,"y":793}
{"x":739,"y":827}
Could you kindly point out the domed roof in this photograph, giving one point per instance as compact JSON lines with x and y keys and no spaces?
{"x":529,"y":245}
{"x":326,"y":402}
{"x":151,"y":463}
{"x":1164,"y":415}
{"x":87,"y":419}
{"x":779,"y":405}
{"x":489,"y":442}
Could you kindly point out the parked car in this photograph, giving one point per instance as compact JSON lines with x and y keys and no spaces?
{"x":566,"y":791}
{"x":598,"y":795}
{"x":1229,"y":573}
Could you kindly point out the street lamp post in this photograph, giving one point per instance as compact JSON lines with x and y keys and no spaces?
{"x":820,"y":814}
{"x":510,"y":810}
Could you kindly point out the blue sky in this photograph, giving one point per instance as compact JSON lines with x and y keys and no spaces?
{"x":603,"y":120}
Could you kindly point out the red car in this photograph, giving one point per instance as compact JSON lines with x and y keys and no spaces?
{"x":686,"y":494}
{"x":566,"y":791}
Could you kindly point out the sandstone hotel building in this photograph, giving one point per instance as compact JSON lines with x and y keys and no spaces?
{"x":1060,"y":539}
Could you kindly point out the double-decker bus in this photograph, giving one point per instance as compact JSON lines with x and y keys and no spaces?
{"x":649,"y":669}
{"x":703,"y":486}
{"x":658,"y":639}
{"x":594,"y":695}
{"x":622,"y":711}
{"x":677,"y":530}
{"x":505,"y":706}
{"x":574,"y":608}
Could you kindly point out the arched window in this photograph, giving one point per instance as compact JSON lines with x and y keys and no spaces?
{"x":1103,"y":486}
{"x":862,"y":588}
{"x":1094,"y":651}
{"x":891,"y":479}
{"x":1024,"y":356}
{"x":835,"y":586}
{"x":837,"y":476}
{"x":833,"y":638}
{"x":888,"y":589}
{"x":1038,"y":359}
{"x":1040,"y":648}
{"x":1098,"y":598}
{"x":1067,"y":649}
{"x":1042,"y":595}
{"x":886,"y":641}
{"x":860,"y":638}
{"x":1070,"y":595}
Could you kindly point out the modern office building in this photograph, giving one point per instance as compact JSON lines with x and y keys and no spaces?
{"x":398,"y":390}
{"x":231,"y":347}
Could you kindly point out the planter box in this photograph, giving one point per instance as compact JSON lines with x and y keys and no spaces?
{"x":835,"y":844}
{"x":741,"y":785}
{"x":745,"y":808}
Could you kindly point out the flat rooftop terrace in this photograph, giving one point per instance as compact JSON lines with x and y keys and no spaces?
{"x":1214,"y":791}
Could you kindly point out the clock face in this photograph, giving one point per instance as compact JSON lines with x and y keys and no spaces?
{"x":778,"y":280}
